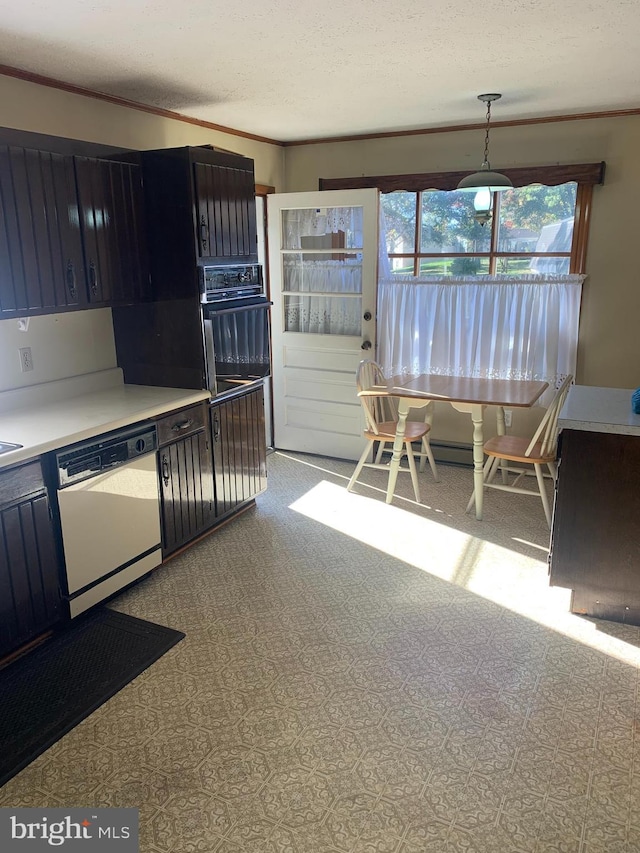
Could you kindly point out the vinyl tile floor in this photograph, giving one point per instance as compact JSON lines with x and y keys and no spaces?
{"x":361,"y":677}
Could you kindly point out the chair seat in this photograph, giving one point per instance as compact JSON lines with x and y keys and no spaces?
{"x":514,"y":449}
{"x":414,"y":431}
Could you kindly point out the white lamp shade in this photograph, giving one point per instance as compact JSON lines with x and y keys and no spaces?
{"x":493,"y":181}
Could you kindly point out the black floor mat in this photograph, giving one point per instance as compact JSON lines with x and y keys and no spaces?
{"x":44,"y":694}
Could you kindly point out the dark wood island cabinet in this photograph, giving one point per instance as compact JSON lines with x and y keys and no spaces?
{"x":595,"y":539}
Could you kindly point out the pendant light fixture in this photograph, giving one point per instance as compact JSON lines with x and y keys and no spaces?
{"x":485,"y":182}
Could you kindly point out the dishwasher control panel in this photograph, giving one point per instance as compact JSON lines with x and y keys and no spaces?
{"x":90,"y":458}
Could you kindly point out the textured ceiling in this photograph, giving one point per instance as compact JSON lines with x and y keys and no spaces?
{"x":299,"y":70}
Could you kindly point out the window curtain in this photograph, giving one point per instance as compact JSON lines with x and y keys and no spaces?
{"x":504,"y":327}
{"x":501,"y":327}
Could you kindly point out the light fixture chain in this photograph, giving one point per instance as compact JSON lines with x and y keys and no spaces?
{"x":486,"y":136}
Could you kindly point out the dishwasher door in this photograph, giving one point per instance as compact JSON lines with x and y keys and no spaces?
{"x":110,"y":530}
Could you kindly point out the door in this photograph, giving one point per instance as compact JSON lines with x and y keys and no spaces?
{"x":30,"y":601}
{"x":110,"y":520}
{"x":187,"y":490}
{"x":111,"y":213}
{"x":226,"y":209}
{"x":239,"y":450}
{"x":41,"y":261}
{"x":323,"y":270}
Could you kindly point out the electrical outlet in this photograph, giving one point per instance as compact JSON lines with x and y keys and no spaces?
{"x":507,"y":417}
{"x":26,"y":359}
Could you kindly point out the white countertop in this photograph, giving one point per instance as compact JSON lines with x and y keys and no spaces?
{"x":599,"y":410}
{"x":47,"y":417}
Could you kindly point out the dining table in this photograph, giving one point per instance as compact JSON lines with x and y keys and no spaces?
{"x":468,"y":394}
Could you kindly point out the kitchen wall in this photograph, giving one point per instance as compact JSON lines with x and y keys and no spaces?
{"x":62,"y":345}
{"x":42,"y":109}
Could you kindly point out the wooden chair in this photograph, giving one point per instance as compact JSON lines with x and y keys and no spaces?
{"x":381,"y":418}
{"x":537,"y":451}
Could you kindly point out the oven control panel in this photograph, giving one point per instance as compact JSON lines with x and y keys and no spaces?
{"x":230,"y":282}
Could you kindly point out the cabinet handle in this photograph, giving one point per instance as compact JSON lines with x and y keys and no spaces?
{"x":216,"y":427}
{"x":180,"y":425}
{"x":71,"y":279}
{"x":93,"y":278}
{"x":203,"y":233}
{"x":165,"y":470}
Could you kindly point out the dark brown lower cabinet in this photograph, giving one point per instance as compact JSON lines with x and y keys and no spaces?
{"x":186,"y":479}
{"x":30,"y":601}
{"x":239,"y":449}
{"x":595,"y":548}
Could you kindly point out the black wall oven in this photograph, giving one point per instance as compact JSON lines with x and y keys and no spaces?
{"x":235,"y":322}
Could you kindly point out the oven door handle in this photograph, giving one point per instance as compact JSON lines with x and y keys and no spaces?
{"x":264,"y":303}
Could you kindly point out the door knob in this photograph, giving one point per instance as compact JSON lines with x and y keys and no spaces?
{"x":367,"y":315}
{"x":365,"y":345}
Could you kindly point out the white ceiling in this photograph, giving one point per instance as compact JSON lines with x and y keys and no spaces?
{"x":298,"y":70}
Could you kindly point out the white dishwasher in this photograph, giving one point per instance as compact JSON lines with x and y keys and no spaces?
{"x":109,"y":504}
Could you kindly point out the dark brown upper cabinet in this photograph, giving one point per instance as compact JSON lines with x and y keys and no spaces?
{"x":200,"y":205}
{"x":225,"y":198}
{"x":111,"y":216}
{"x":71,"y":232}
{"x":41,"y":258}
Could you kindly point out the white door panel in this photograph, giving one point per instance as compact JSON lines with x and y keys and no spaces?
{"x":321,"y":390}
{"x":341,"y":360}
{"x":323,"y":270}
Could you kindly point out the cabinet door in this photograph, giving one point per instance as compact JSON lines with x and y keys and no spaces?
{"x":226,"y":212}
{"x":41,"y":261}
{"x":239,"y":450}
{"x":596,"y":524}
{"x":30,"y":601}
{"x":186,"y":482}
{"x":111,"y":214}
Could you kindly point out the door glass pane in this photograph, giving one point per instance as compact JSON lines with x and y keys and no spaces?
{"x":447,"y":224}
{"x":537,"y":219}
{"x":321,"y":256}
{"x":322,"y":315}
{"x":322,"y":228}
{"x":334,"y":272}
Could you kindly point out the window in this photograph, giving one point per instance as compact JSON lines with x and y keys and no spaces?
{"x":428,"y":322}
{"x":540,"y":226}
{"x":434,"y":232}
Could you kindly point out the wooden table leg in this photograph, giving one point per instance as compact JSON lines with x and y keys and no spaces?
{"x":398,"y":443}
{"x":478,"y":458}
{"x":501,"y":430}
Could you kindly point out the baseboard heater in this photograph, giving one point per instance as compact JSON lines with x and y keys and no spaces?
{"x":448,"y":452}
